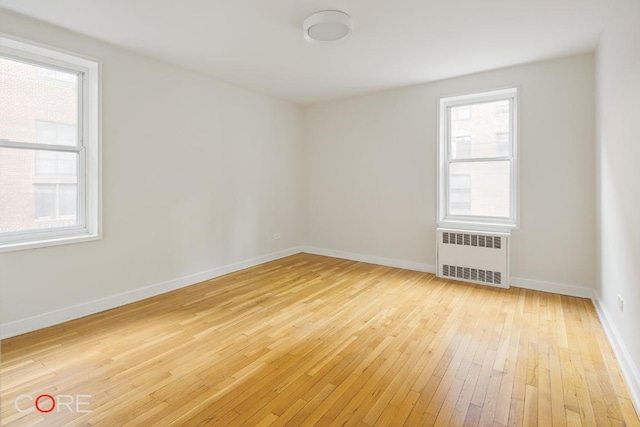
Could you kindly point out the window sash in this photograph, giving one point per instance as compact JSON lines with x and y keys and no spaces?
{"x":81,"y":194}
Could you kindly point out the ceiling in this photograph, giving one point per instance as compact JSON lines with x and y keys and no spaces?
{"x":258,"y":44}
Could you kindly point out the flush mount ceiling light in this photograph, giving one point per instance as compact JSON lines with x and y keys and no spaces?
{"x":327,"y":27}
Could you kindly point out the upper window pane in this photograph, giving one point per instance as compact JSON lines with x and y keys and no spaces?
{"x":56,"y":133}
{"x":43,"y":104}
{"x":480,"y":131}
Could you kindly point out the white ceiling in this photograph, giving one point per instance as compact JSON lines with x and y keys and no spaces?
{"x":258,"y":44}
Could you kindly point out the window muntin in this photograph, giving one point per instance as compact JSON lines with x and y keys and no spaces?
{"x":477,"y":169}
{"x":49,"y":147}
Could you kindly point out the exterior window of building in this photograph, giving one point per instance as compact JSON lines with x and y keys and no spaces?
{"x":502,"y":108}
{"x":461,"y":143}
{"x":55,"y":201}
{"x":502,"y":144}
{"x":49,"y":147}
{"x":478,"y":164}
{"x":48,"y":73}
{"x":461,"y":113}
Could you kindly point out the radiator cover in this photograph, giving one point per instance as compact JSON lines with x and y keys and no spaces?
{"x":473,"y":256}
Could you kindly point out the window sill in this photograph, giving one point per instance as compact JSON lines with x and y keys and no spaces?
{"x":11,"y":246}
{"x":478,"y":226}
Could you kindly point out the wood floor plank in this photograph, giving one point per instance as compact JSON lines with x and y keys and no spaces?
{"x":311,"y":340}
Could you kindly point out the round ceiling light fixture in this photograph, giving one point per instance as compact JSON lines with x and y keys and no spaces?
{"x":327,"y":27}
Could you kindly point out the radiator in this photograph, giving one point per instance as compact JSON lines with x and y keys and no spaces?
{"x":473,"y":256}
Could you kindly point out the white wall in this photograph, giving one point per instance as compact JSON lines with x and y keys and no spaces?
{"x":370,"y":166}
{"x":618,"y":139}
{"x":197,"y":174}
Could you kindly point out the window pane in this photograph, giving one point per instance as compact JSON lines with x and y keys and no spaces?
{"x":44,"y":196}
{"x":55,"y":133}
{"x":67,"y":200}
{"x":45,"y":163}
{"x":479,"y":188}
{"x":67,"y":164}
{"x":32,"y":95}
{"x":503,"y":144}
{"x":460,"y":195}
{"x":481,"y":132}
{"x":461,"y":144}
{"x":30,"y":201}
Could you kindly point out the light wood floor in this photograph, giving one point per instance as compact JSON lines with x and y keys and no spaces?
{"x":309,"y":340}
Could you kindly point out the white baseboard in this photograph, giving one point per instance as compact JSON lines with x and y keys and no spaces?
{"x":537,"y":285}
{"x":51,"y":318}
{"x":629,"y":369}
{"x":554,"y":288}
{"x":371,"y":259}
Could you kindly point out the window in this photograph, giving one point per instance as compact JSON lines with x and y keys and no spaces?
{"x":49,"y":147}
{"x":478,"y":167}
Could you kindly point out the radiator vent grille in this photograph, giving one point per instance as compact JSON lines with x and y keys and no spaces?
{"x":476,"y":274}
{"x":478,"y":240}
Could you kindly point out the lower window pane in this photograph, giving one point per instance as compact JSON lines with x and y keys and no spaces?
{"x":44,"y":196}
{"x":479,"y":189}
{"x":67,"y":200}
{"x":38,"y":189}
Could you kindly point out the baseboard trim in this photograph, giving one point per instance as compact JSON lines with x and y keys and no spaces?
{"x":537,"y":285}
{"x":553,"y":287}
{"x":51,"y":318}
{"x":371,"y":259}
{"x":628,"y":368}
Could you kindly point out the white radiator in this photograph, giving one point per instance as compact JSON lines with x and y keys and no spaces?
{"x":474,"y":256}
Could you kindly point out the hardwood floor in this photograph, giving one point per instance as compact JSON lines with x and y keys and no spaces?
{"x":310,"y":340}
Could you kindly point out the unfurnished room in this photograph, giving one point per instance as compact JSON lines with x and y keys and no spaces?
{"x":319,"y":213}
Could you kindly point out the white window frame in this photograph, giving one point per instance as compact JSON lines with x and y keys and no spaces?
{"x":89,"y":145}
{"x":475,"y":222}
